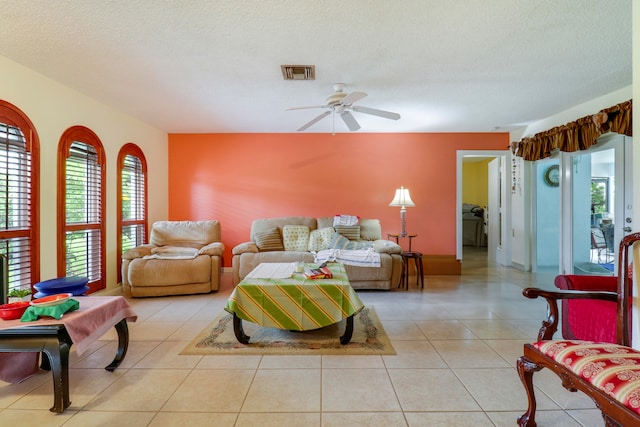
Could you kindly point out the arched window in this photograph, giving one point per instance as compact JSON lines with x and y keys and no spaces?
{"x":81,"y":206}
{"x":19,"y":197}
{"x":132,"y":200}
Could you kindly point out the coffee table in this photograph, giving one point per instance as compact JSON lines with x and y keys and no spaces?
{"x":294,"y":303}
{"x":54,"y":338}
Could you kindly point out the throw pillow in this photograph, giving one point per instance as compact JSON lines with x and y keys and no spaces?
{"x":319,"y":240}
{"x":269,"y":240}
{"x":341,"y":242}
{"x":295,"y":237}
{"x":345,"y":220}
{"x":351,"y":232}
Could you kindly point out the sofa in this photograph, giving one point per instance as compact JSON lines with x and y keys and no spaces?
{"x":182,"y":257}
{"x":295,"y":238}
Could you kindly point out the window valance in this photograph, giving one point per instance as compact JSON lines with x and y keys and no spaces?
{"x":578,"y":135}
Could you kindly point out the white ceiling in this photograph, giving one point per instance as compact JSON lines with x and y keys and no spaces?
{"x":214,"y":66}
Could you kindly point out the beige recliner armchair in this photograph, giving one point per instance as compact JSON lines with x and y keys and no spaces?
{"x":182,"y":257}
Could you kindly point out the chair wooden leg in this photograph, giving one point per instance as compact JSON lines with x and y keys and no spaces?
{"x":526,"y":369}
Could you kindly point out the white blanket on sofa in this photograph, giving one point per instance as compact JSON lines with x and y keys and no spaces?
{"x":360,"y":257}
{"x":172,"y":252}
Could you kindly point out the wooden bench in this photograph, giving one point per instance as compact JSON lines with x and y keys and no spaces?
{"x":608,"y":373}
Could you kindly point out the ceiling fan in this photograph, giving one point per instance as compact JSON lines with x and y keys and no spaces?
{"x":340,"y":102}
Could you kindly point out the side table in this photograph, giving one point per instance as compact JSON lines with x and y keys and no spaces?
{"x":417,"y":258}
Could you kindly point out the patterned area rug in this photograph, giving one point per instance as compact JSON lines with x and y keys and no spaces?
{"x":218,"y":338}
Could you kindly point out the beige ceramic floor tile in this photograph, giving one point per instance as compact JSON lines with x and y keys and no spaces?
{"x":200,"y":419}
{"x":551,"y":385}
{"x":103,"y":357}
{"x":468,"y":354}
{"x":152,"y":331}
{"x":494,"y":329}
{"x":357,"y":390}
{"x":414,"y":354}
{"x":139,"y":390}
{"x":445,"y":329}
{"x":284,"y":390}
{"x":499,"y":389}
{"x":402,"y":330}
{"x":10,"y":393}
{"x":211,"y":391}
{"x":290,"y":362}
{"x":368,"y":419}
{"x":457,"y":419}
{"x":189,"y":330}
{"x":310,"y":419}
{"x":39,"y":418}
{"x":543,"y":418}
{"x":431,"y":390}
{"x":510,"y":350}
{"x":100,"y":418}
{"x":587,"y":417}
{"x":229,"y":362}
{"x":84,"y":386}
{"x":352,"y":361}
{"x":167,"y":356}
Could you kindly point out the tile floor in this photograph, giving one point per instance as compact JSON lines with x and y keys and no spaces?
{"x":457,"y":342}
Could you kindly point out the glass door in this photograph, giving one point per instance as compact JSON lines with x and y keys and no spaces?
{"x":595,"y":209}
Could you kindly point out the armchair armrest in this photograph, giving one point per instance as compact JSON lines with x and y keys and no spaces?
{"x":212,"y":249}
{"x":550,"y":324}
{"x":138,"y":252}
{"x":244,"y":248}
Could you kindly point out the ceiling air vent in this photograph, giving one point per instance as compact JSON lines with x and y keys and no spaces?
{"x":298,"y":72}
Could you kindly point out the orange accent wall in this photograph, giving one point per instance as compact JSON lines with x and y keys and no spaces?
{"x":236,"y":178}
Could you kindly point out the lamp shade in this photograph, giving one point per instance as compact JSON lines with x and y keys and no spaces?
{"x":402,"y":198}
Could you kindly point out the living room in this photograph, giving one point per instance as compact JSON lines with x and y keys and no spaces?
{"x":237,"y":177}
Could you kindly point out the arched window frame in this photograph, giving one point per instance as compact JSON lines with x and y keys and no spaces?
{"x":141,"y":219}
{"x":82,"y":135}
{"x":24,"y":269}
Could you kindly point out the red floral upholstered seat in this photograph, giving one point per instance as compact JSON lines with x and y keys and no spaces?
{"x":612,"y":368}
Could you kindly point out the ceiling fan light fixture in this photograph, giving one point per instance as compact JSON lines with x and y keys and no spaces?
{"x":298,"y":72}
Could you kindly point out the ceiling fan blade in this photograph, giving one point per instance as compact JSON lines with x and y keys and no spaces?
{"x":314,"y":121}
{"x":352,"y":97}
{"x":349,"y":120}
{"x":375,"y":112}
{"x":305,"y":108}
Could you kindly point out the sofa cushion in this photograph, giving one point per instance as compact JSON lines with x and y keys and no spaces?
{"x":370,"y":229}
{"x":269,"y":240}
{"x":184,"y":233}
{"x":295,"y":237}
{"x":320,"y":240}
{"x":351,"y":232}
{"x":341,"y":242}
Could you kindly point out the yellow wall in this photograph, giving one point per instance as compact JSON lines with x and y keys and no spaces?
{"x":475,"y":175}
{"x":52,"y":108}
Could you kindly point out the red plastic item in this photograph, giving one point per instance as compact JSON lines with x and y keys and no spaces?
{"x":13,"y":310}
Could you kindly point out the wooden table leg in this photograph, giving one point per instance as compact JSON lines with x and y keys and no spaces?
{"x":238,"y":331}
{"x":348,"y":331}
{"x":123,"y":345}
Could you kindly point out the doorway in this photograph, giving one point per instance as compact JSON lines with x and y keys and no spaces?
{"x":483,"y":206}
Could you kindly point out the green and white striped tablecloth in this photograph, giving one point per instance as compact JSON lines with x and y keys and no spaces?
{"x":295,"y":303}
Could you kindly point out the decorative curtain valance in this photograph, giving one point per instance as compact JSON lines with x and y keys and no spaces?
{"x":578,"y":135}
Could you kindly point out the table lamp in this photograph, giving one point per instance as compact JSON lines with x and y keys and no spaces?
{"x":402,"y":199}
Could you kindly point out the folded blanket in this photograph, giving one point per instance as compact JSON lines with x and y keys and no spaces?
{"x":345,"y":220}
{"x":360,"y":258}
{"x":172,"y":252}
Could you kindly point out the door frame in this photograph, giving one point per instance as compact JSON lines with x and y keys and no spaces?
{"x":504,"y":185}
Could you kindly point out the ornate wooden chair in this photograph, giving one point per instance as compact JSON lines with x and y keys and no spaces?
{"x":608,"y":373}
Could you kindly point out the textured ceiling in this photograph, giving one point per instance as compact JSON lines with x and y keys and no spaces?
{"x":214,"y":66}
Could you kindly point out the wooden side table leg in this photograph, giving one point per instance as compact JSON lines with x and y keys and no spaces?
{"x":123,"y":345}
{"x":238,"y":331}
{"x":421,"y":271}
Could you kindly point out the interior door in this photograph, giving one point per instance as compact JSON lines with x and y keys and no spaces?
{"x":600,"y":208}
{"x":498,"y":224}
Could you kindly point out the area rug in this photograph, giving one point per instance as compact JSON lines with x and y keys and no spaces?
{"x":218,"y":338}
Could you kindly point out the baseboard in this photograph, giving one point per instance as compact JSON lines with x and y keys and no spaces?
{"x":441,"y":265}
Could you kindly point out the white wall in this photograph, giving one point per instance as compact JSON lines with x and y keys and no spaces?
{"x":52,"y":108}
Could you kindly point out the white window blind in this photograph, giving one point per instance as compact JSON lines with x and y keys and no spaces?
{"x":15,"y":205}
{"x":83,"y":212}
{"x":133,"y":203}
